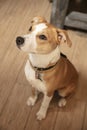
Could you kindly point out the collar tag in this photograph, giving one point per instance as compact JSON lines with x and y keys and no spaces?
{"x":37,"y":75}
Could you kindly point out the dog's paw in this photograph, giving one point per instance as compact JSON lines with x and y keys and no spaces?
{"x":40,"y":115}
{"x":62,"y":102}
{"x":31,"y":101}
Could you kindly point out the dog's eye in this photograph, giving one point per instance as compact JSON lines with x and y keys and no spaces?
{"x":30,"y":29}
{"x":43,"y":37}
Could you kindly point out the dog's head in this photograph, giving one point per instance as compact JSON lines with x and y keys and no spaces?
{"x":42,"y":37}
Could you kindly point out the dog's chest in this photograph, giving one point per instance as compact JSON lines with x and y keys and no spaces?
{"x":32,"y":76}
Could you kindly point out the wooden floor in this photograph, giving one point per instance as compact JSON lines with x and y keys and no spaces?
{"x":15,"y":17}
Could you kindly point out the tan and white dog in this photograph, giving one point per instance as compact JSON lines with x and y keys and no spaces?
{"x":47,"y":69}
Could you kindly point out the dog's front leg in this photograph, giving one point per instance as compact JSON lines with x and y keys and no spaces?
{"x":31,"y":100}
{"x":44,"y":106}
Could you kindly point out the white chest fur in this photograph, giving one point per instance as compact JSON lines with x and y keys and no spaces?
{"x":30,"y":75}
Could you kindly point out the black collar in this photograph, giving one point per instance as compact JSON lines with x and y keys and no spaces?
{"x":62,"y":55}
{"x":44,"y":69}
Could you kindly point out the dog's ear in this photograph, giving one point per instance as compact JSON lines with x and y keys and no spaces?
{"x":38,"y":19}
{"x":63,"y":37}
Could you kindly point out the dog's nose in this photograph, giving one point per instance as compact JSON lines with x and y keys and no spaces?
{"x":19,"y":40}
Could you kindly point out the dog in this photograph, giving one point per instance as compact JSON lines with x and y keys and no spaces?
{"x":47,"y":69}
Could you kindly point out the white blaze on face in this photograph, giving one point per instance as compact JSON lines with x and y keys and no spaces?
{"x":39,"y":28}
{"x":30,"y":39}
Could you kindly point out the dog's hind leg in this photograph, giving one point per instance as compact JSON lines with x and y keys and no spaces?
{"x":66,"y":92}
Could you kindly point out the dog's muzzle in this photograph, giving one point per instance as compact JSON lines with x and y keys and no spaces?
{"x":19,"y":41}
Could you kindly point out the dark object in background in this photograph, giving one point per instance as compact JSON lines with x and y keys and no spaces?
{"x":59,"y":10}
{"x":77,"y":5}
{"x":51,"y":1}
{"x":75,"y":20}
